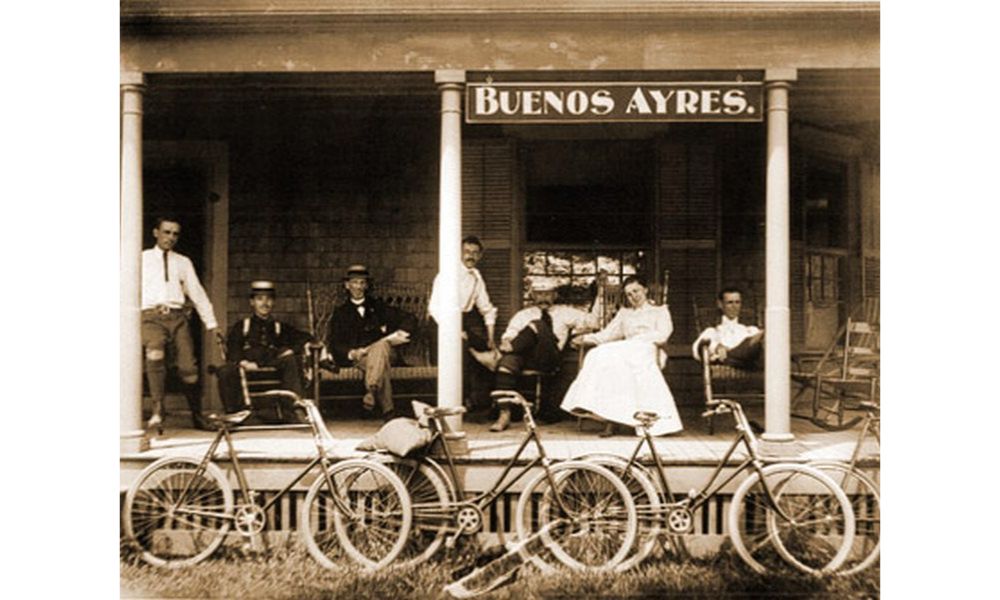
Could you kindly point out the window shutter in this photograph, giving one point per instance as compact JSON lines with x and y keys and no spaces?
{"x":687,"y":224}
{"x":489,"y":192}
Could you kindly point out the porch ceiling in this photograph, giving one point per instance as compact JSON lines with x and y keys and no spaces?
{"x":840,"y":100}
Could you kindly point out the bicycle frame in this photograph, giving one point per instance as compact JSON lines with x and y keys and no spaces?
{"x":872,"y":422}
{"x":696,"y":499}
{"x":499,"y":486}
{"x":249,"y":495}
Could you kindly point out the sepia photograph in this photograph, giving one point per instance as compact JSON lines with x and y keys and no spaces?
{"x":500,"y":299}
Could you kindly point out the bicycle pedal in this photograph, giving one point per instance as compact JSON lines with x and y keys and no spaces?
{"x":449,"y":542}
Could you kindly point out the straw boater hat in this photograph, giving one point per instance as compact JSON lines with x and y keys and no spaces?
{"x":262,"y":287}
{"x":543,"y":285}
{"x":358,"y":270}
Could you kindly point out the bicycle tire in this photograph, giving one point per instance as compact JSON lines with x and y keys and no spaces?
{"x":601,"y":524}
{"x":155,"y":502}
{"x":374,"y":533}
{"x":863,"y":492}
{"x":430,"y":498}
{"x":648,"y":506}
{"x":816,"y":542}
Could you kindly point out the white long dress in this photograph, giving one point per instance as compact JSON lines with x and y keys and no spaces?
{"x":622,"y":374}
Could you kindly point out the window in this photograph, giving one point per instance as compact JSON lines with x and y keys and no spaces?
{"x":822,"y":275}
{"x":574,"y":271}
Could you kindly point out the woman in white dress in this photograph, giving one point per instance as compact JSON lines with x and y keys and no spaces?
{"x":622,"y":374}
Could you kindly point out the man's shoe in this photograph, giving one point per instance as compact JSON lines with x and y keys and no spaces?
{"x":155,"y":423}
{"x":199,"y":422}
{"x":503,"y":421}
{"x":368,"y":402}
{"x":608,"y":431}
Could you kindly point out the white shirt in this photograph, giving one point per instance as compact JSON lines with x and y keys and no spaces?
{"x":157,"y":290}
{"x":729,"y":333}
{"x":471,"y":293}
{"x":564,"y":319}
{"x":359,"y":305}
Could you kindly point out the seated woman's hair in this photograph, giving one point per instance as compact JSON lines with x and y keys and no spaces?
{"x":635,"y":279}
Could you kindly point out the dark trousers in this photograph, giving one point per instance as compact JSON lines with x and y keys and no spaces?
{"x":228,"y":375}
{"x":534,"y":347}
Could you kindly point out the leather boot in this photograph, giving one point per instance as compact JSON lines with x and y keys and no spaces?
{"x":503,"y":421}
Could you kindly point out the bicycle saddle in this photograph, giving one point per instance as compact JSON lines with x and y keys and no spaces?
{"x":646,"y":418}
{"x":231,"y":418}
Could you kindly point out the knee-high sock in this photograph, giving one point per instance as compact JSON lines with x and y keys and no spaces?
{"x":156,"y":374}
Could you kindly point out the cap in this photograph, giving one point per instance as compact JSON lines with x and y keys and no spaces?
{"x":357,"y":271}
{"x":543,"y":285}
{"x":262,"y":287}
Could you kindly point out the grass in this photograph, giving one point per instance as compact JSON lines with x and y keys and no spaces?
{"x":291,"y":573}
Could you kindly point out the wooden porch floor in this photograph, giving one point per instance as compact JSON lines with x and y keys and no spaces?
{"x":692,"y":446}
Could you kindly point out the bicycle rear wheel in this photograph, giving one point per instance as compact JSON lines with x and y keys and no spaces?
{"x":177,"y":513}
{"x":598,"y":516}
{"x":648,"y":507}
{"x":366,"y":519}
{"x":863,"y":493}
{"x":431,"y":499}
{"x":815,"y":537}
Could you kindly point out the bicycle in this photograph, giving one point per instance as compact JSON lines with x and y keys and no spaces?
{"x":862,"y":488}
{"x":594,"y":512}
{"x":179,"y":510}
{"x":791,"y":508}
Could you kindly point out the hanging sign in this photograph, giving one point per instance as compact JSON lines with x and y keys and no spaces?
{"x":612,"y":102}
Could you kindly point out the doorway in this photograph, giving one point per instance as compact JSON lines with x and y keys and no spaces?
{"x":189,"y":181}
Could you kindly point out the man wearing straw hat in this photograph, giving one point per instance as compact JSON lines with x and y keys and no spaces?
{"x":535,"y":337}
{"x":363,"y":332}
{"x":260,"y":340}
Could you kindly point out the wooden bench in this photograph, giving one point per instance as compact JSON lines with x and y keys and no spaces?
{"x":346,"y":382}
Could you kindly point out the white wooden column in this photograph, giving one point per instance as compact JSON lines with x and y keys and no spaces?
{"x":130,"y":282}
{"x":449,"y":320}
{"x":777,"y":322}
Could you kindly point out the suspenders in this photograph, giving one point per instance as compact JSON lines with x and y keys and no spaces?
{"x":246,"y":327}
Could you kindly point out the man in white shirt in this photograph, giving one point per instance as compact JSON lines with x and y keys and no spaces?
{"x":167,"y":279}
{"x":479,"y":317}
{"x":535,"y":338}
{"x":731,"y":342}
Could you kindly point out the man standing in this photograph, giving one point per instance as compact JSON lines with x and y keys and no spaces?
{"x":731,"y":342}
{"x":363,"y":332}
{"x":535,"y":337}
{"x":260,"y":340}
{"x":167,"y":278}
{"x":479,"y":317}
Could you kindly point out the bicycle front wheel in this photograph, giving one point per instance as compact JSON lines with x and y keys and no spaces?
{"x":592,"y":512}
{"x":863,"y":493}
{"x":431,"y":499}
{"x":177,"y":513}
{"x":809,"y":525}
{"x":365,"y":517}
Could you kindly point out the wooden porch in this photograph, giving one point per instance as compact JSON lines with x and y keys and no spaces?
{"x":692,"y":447}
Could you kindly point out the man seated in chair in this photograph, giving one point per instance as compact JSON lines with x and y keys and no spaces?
{"x":730,"y":342}
{"x":260,"y":340}
{"x":363,"y":333}
{"x":534,"y":339}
